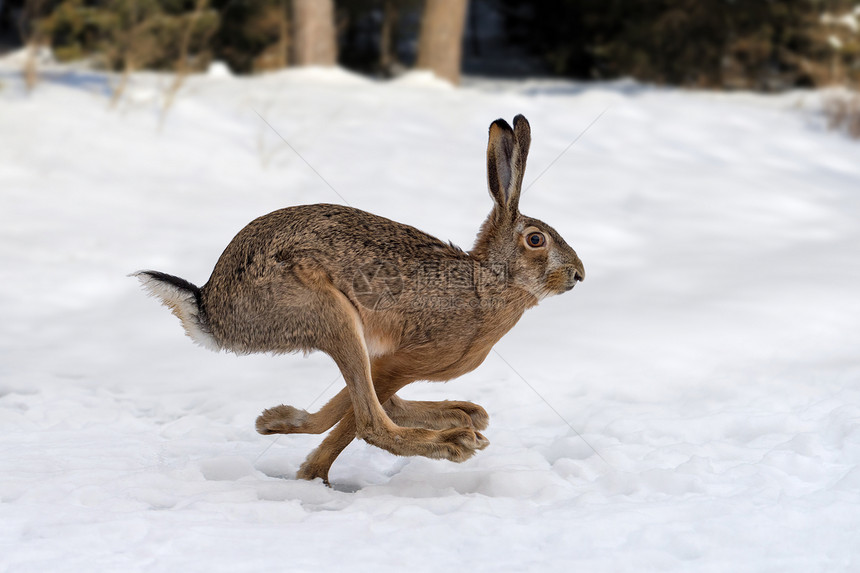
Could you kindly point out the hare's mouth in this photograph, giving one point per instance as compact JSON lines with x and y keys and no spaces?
{"x":564,"y":279}
{"x":574,"y":275}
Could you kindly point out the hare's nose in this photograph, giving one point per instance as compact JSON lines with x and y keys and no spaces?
{"x":578,"y":271}
{"x":575,"y":274}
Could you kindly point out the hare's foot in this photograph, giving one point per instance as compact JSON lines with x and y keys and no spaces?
{"x":443,"y":415}
{"x":282,"y":419}
{"x":456,"y":444}
{"x":310,"y":471}
{"x":319,"y":461}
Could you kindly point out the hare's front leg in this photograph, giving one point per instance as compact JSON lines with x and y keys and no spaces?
{"x":436,"y":415}
{"x":442,"y":415}
{"x":285,"y":419}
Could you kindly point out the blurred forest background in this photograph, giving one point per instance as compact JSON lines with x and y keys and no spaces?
{"x":760,"y":45}
{"x":763,"y":45}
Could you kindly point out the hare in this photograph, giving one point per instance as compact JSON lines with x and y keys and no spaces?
{"x":387,"y":302}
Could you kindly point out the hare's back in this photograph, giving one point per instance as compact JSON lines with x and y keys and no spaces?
{"x":338,"y":239}
{"x":338,"y":233}
{"x":259,"y":281}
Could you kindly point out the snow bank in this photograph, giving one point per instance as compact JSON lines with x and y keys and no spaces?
{"x":707,"y":372}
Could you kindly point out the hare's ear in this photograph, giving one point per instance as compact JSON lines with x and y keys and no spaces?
{"x":523,"y":140}
{"x":507,"y":151}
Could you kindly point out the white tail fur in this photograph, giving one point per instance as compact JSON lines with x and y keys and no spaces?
{"x":183,"y":300}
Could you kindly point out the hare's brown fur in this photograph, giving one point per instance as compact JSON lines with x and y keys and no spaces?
{"x":389,"y":303}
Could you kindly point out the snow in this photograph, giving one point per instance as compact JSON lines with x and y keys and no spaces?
{"x":694,"y":405}
{"x":850,"y":20}
{"x":218,"y":69}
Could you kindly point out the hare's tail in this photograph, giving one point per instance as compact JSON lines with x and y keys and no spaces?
{"x":184,"y":300}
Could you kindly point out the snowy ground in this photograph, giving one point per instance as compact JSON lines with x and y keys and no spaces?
{"x":712,"y":357}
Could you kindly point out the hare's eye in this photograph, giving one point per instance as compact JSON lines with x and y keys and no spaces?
{"x":536,"y":240}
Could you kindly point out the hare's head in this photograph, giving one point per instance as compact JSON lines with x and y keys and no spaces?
{"x":533,"y":254}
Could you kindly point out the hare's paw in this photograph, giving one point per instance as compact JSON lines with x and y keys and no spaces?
{"x":310,"y":471}
{"x":477,"y":415}
{"x":448,"y":415}
{"x":456,"y":444}
{"x":460,"y":444}
{"x":281,"y":419}
{"x":444,"y":415}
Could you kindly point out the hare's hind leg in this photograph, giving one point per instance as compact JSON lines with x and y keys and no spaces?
{"x":436,"y":415}
{"x":339,"y":333}
{"x":332,"y":324}
{"x":327,"y":320}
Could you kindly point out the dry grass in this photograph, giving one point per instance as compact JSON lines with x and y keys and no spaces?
{"x":843,"y":113}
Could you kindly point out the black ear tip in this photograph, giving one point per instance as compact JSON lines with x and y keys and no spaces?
{"x":520,"y":118}
{"x":501,"y":124}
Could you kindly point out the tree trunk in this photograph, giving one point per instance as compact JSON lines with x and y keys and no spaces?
{"x":388,"y":39}
{"x":32,"y":38}
{"x":440,"y":45}
{"x":283,"y":36}
{"x":315,"y":43}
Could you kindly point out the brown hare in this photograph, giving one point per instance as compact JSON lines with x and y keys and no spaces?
{"x":389,"y":303}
